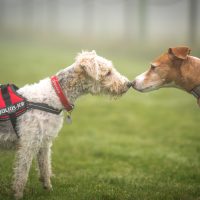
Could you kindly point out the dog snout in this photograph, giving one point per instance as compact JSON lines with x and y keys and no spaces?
{"x":133,"y":83}
{"x":129,"y":84}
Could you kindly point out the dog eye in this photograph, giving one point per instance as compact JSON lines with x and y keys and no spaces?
{"x":153,"y":67}
{"x":108,"y":73}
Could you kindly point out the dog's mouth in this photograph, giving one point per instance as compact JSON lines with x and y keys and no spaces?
{"x":113,"y":92}
{"x":149,"y":88}
{"x":118,"y":93}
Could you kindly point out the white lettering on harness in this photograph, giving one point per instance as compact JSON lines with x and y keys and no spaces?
{"x":12,"y":109}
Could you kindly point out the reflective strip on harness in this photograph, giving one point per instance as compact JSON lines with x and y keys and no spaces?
{"x":44,"y":107}
{"x":12,"y":109}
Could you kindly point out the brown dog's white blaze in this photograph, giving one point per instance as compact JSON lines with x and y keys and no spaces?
{"x":165,"y":71}
{"x":154,"y":78}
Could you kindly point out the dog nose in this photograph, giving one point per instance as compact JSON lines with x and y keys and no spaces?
{"x":129,"y":84}
{"x":133,"y":83}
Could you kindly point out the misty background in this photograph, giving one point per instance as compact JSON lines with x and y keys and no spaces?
{"x":131,"y":22}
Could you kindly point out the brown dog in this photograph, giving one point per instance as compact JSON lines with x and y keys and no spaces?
{"x":174,"y":68}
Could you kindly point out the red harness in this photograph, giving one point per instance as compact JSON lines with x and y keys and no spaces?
{"x":13,"y":105}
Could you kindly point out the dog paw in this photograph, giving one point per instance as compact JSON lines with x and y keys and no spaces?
{"x":48,"y":187}
{"x":18,"y":195}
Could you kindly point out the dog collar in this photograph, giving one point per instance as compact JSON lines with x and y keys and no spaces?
{"x":65,"y":102}
{"x":196,"y":91}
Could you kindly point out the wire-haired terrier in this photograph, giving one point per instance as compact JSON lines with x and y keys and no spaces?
{"x":34,"y":130}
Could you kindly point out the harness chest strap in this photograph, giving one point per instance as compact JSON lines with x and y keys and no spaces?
{"x":43,"y":107}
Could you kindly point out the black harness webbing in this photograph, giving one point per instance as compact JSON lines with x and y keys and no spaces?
{"x":43,"y":107}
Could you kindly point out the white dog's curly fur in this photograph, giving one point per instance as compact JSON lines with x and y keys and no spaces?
{"x":89,"y":74}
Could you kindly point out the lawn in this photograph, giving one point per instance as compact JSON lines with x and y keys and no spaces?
{"x":142,"y":146}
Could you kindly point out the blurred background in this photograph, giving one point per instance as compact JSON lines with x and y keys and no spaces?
{"x":136,"y":30}
{"x":151,"y":21}
{"x":142,"y":146}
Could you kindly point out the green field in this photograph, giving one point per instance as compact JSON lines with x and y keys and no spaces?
{"x":142,"y":146}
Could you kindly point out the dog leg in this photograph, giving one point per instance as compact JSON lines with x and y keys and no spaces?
{"x":44,"y":163}
{"x":24,"y":159}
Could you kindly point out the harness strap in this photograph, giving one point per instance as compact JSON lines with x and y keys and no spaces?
{"x":196,"y":91}
{"x":6,"y":97}
{"x":43,"y":107}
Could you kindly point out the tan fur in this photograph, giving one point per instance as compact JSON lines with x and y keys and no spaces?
{"x":174,"y":68}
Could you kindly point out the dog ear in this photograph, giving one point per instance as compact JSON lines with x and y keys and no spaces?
{"x":87,"y":61}
{"x":179,"y":52}
{"x":91,"y":68}
{"x":94,"y":52}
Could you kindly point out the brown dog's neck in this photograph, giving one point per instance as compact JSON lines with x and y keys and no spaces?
{"x":189,"y":74}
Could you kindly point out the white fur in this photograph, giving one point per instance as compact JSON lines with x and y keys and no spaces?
{"x":140,"y":78}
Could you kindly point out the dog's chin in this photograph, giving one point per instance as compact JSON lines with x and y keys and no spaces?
{"x":147,"y":89}
{"x":114,"y":94}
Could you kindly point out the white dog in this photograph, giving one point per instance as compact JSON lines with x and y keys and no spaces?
{"x":90,"y":74}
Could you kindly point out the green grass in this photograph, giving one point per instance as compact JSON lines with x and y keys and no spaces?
{"x":142,"y":146}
